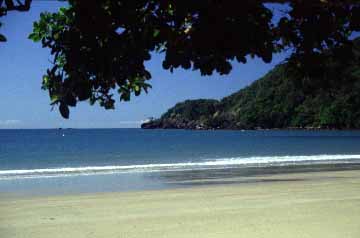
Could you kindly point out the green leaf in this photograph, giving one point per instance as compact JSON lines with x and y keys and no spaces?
{"x":35,"y":37}
{"x":56,"y":36}
{"x":137,"y":88}
{"x":2,"y":38}
{"x":156,"y":32}
{"x":54,"y":98}
{"x":46,"y":80}
{"x":64,"y":110}
{"x":125,"y":96}
{"x":63,"y":10}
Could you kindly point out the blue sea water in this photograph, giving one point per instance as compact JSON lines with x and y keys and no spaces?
{"x":96,"y":160}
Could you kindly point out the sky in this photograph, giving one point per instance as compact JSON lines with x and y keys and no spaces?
{"x":24,"y":104}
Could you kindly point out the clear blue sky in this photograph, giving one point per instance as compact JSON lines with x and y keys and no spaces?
{"x":24,"y":105}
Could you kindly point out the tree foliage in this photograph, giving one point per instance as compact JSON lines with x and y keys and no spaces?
{"x":100,"y":46}
{"x":9,"y":5}
{"x":283,"y":98}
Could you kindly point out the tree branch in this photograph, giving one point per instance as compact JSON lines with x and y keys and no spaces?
{"x":21,"y":7}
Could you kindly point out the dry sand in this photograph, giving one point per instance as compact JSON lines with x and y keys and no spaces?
{"x":325,"y":204}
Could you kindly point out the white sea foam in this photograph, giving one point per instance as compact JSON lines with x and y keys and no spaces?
{"x":208,"y":164}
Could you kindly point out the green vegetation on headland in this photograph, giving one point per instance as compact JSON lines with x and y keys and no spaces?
{"x":329,"y":98}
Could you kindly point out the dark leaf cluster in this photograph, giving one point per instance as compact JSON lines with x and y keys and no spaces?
{"x":100,"y":46}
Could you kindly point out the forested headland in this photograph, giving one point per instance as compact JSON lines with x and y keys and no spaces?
{"x":328,"y":98}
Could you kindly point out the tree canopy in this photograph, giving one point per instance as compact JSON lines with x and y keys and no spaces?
{"x":100,"y":46}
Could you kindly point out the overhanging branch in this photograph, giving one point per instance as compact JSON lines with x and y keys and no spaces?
{"x":20,"y":6}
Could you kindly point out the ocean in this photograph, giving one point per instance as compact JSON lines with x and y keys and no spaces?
{"x":68,"y":161}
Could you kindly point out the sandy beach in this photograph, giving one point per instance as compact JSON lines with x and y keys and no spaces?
{"x":321,"y":204}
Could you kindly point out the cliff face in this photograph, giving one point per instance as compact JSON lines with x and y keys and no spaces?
{"x":283,"y":98}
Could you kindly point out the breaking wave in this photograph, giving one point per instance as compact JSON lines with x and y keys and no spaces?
{"x":254,"y":161}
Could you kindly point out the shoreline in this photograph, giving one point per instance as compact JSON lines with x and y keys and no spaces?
{"x":162,"y":180}
{"x":213,"y":183}
{"x":255,"y":129}
{"x":299,"y":205}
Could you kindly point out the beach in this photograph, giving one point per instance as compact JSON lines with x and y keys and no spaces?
{"x":314,"y":204}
